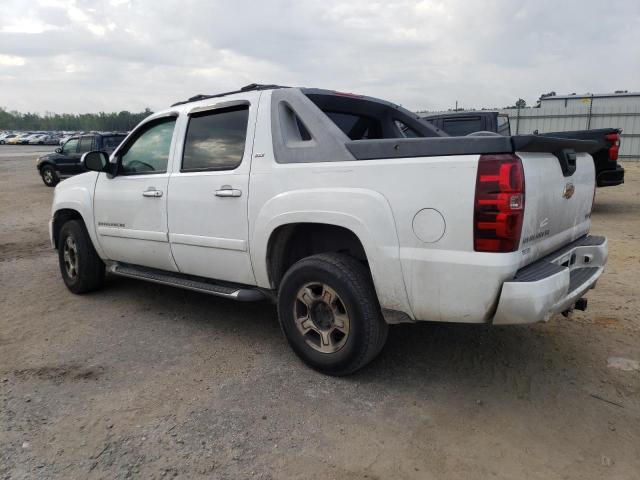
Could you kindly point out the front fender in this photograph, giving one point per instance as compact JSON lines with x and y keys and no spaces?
{"x":365,"y":212}
{"x":76,"y":193}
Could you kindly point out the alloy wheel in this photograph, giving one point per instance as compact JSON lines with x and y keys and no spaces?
{"x":321,"y":317}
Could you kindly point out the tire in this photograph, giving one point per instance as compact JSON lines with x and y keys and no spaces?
{"x":329,"y":313}
{"x":49,"y":176}
{"x":81,"y":268}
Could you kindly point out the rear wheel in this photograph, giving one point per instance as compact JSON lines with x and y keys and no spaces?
{"x":329,"y":313}
{"x":49,"y":176}
{"x":81,"y":268}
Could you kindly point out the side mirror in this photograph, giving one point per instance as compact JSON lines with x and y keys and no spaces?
{"x":58,"y":150}
{"x":95,"y":161}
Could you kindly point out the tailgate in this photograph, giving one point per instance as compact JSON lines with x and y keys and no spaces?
{"x":558,"y":200}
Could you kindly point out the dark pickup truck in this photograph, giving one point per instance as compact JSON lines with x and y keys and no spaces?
{"x":65,"y":161}
{"x":608,"y":171}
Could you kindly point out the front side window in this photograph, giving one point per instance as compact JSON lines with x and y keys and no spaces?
{"x":215,"y":139}
{"x":71,"y":146}
{"x":149,"y":152}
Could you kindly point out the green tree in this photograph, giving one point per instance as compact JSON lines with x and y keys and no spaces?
{"x":102,"y":121}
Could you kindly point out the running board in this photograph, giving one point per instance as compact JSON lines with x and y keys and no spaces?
{"x":189,"y":282}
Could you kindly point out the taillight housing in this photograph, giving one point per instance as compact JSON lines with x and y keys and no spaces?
{"x":499,"y":203}
{"x":614,"y":149}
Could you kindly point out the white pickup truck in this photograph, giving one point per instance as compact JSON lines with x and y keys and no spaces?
{"x":349,"y":212}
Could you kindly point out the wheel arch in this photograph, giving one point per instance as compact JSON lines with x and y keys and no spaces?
{"x":291,"y":242}
{"x":73,"y":198}
{"x":60,"y":217}
{"x":363,"y":216}
{"x":46,"y":163}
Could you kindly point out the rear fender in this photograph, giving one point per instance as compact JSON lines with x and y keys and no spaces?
{"x":364,"y":212}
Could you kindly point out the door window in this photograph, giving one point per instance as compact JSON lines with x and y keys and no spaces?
{"x":215,"y":139}
{"x":70,"y":147}
{"x":149,"y":150}
{"x":85,"y":144}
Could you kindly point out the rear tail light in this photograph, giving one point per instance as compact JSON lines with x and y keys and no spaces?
{"x":614,"y":138}
{"x":499,"y":204}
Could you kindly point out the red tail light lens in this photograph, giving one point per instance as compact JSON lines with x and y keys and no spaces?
{"x":499,"y":204}
{"x":614,"y":149}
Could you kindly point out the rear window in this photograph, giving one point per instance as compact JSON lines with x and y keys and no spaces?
{"x":112,"y":142}
{"x":356,"y":127}
{"x":459,"y":127}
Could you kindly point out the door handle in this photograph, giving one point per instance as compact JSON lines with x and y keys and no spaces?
{"x":227,"y":191}
{"x":152,"y":192}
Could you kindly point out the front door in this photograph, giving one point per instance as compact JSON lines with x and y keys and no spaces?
{"x":69,"y":158}
{"x":208,"y":227}
{"x":130,"y":209}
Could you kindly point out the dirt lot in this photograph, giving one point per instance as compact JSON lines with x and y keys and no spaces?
{"x":144,"y":381}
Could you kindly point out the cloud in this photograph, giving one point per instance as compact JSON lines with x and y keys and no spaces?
{"x":122,"y":54}
{"x":12,"y":60}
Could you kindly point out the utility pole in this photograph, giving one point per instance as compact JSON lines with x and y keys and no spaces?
{"x":456,"y":106}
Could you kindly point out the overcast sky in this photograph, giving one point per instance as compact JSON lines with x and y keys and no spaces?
{"x":82,"y":56}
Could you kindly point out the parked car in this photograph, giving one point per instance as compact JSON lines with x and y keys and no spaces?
{"x":36,"y":139}
{"x":318,"y":201}
{"x":65,"y":161}
{"x":27,"y":138}
{"x":43,"y":140}
{"x":6,"y":137}
{"x":608,"y":171}
{"x":18,"y":139}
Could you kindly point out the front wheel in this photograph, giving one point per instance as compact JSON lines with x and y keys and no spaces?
{"x":49,"y":176}
{"x":81,"y":268}
{"x":330,"y":314}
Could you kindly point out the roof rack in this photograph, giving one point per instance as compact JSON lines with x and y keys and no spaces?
{"x":247,"y":88}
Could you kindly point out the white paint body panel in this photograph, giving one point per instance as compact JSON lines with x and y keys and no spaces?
{"x":443,"y":279}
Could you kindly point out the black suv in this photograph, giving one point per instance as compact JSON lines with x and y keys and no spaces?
{"x":65,"y":161}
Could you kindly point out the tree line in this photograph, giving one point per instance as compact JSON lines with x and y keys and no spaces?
{"x":102,"y":121}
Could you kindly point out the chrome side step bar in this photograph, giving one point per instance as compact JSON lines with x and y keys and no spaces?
{"x":189,"y":282}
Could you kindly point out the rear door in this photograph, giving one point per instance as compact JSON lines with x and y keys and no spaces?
{"x":130,"y":209}
{"x":208,"y":192}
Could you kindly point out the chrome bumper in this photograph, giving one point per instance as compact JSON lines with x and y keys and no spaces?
{"x":553,"y":284}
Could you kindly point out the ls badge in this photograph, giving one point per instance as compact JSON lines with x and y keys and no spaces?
{"x":568,"y":191}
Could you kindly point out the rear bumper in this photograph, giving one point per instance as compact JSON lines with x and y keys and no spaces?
{"x":610,"y":178}
{"x":553,"y":284}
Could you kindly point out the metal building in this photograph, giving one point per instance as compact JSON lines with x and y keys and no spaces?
{"x":622,"y":99}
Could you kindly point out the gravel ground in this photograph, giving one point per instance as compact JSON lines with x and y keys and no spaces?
{"x":143,"y":381}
